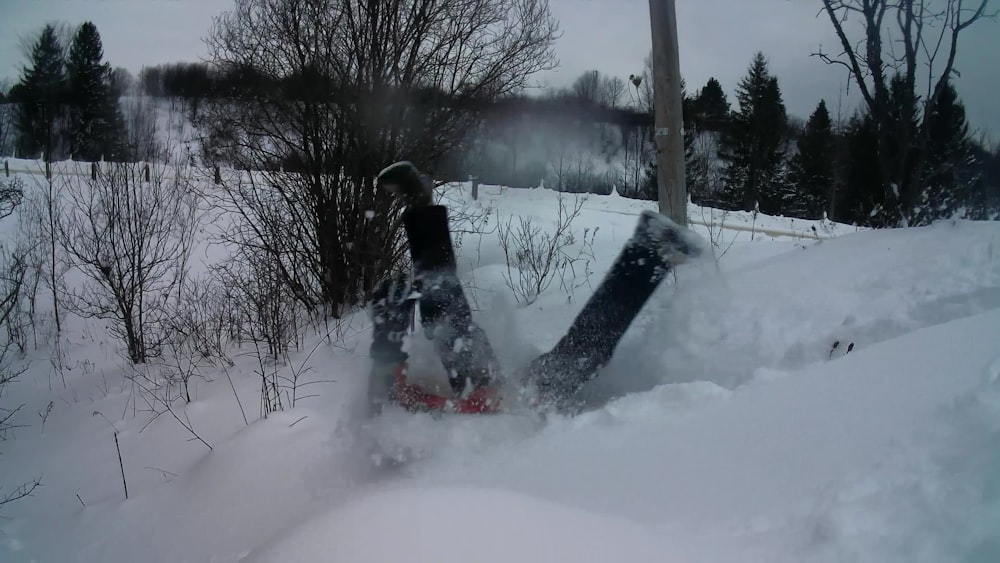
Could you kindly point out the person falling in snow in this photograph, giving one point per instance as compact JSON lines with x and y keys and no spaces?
{"x":552,"y":380}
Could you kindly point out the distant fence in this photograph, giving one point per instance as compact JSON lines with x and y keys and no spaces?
{"x":83,"y":169}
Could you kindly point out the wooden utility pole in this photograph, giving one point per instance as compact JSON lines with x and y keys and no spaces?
{"x":667,"y":98}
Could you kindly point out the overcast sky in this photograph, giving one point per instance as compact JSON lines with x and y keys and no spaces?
{"x":717,"y":38}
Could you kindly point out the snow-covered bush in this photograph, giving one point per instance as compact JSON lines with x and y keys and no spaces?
{"x":198,"y":332}
{"x":262,"y":310}
{"x":536,"y":257}
{"x":129,"y":231}
{"x":13,"y":270}
{"x":12,"y":274}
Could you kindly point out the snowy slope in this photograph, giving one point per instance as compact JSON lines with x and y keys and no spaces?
{"x":729,"y":431}
{"x":881,"y":456}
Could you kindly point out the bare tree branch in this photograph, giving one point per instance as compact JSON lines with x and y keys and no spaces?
{"x":22,"y":491}
{"x":336,"y":89}
{"x":131,"y":238}
{"x":921,"y":47}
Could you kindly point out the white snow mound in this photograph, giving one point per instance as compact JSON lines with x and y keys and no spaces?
{"x":441,"y":525}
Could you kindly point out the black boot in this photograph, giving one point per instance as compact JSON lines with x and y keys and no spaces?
{"x":657,"y":245}
{"x":444,"y":310}
{"x":403,"y":180}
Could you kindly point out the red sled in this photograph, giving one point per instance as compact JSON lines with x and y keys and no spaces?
{"x":484,"y":400}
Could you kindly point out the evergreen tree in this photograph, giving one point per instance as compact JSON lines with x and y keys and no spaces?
{"x":40,"y":94}
{"x":862,"y":199}
{"x":986,"y":198}
{"x":861,"y":191}
{"x":754,"y":149}
{"x":903,"y":114}
{"x":897,"y":154}
{"x":710,"y":107}
{"x":95,"y":120}
{"x":6,"y":121}
{"x":949,"y":177}
{"x":812,"y":167}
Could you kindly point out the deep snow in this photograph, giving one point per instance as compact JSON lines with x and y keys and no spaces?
{"x":725,"y":429}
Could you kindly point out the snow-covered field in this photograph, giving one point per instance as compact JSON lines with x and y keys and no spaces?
{"x":727,"y":427}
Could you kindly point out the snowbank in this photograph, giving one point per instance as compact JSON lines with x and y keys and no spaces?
{"x":441,"y":525}
{"x":727,"y":428}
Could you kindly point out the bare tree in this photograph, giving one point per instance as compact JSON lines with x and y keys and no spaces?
{"x":11,"y":195}
{"x":41,"y":223}
{"x":13,"y":270}
{"x":592,"y":86}
{"x":151,"y":81}
{"x":131,"y":236}
{"x":642,"y":98}
{"x":705,"y":169}
{"x":535,"y":257}
{"x":206,"y":317}
{"x":559,"y":154}
{"x":327,"y":92}
{"x":587,"y":86}
{"x":612,"y":91}
{"x":916,"y":40}
{"x":263,"y":309}
{"x":142,"y":142}
{"x":632,"y":165}
{"x":123,"y":83}
{"x":7,"y":107}
{"x":22,"y":491}
{"x":6,"y":129}
{"x":198,"y":331}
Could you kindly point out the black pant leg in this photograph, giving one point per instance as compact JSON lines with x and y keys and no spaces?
{"x":597,"y":329}
{"x":391,"y":311}
{"x":445,"y":313}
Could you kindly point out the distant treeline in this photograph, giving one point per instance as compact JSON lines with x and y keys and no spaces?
{"x":198,"y":81}
{"x":593,"y":136}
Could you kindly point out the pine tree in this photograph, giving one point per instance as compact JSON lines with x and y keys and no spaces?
{"x":40,"y":94}
{"x":949,"y":179}
{"x":710,"y":106}
{"x":95,"y":121}
{"x":812,"y":167}
{"x":985,"y":199}
{"x":861,"y":191}
{"x":861,"y":198}
{"x":753,"y":150}
{"x":897,"y":155}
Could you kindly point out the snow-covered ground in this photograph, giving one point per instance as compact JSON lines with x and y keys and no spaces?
{"x":727,"y":427}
